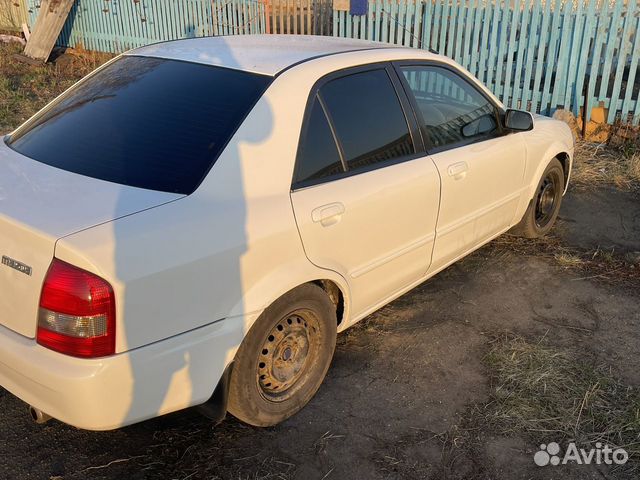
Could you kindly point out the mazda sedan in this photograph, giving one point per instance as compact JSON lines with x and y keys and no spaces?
{"x":193,"y":223}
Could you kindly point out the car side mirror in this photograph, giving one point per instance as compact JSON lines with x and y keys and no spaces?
{"x":518,"y":120}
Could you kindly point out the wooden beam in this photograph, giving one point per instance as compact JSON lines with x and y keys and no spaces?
{"x":53,"y":14}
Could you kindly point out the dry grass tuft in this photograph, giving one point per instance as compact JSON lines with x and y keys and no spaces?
{"x":547,"y":392}
{"x":615,"y":162}
{"x":600,"y":264}
{"x":567,"y":259}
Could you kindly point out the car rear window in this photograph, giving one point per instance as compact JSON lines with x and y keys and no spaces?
{"x":144,"y":122}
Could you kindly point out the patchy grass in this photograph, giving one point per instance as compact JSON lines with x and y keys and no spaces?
{"x":614,"y":162}
{"x":597,"y":164}
{"x":541,"y":393}
{"x":24,"y":88}
{"x":600,"y":264}
{"x":544,"y":392}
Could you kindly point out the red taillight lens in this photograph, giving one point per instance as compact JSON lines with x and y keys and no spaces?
{"x":77,"y":312}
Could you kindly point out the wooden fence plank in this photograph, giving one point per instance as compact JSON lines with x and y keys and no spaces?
{"x":520,"y":56}
{"x":633,"y":69}
{"x":408,"y":15}
{"x":530,"y":65}
{"x":564,"y":51}
{"x":14,"y":15}
{"x":436,"y":25}
{"x":452,"y":29}
{"x":491,"y":59}
{"x":393,"y":20}
{"x":552,"y":54}
{"x":629,"y":19}
{"x":426,"y":23}
{"x":505,"y":17}
{"x":468,"y":32}
{"x":442,"y":42}
{"x":486,"y":25}
{"x":516,"y":15}
{"x":636,"y":112}
{"x":370,"y":12}
{"x":600,"y":38}
{"x":612,"y":43}
{"x":584,"y":49}
{"x":378,"y":19}
{"x":475,"y":45}
{"x":417,"y":17}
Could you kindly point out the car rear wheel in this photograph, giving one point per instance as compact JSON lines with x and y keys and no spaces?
{"x":284,"y":357}
{"x":545,"y":205}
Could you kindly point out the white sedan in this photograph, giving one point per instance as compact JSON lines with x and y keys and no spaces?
{"x":194,"y":222}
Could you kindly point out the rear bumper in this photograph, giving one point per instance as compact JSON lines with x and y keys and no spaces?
{"x":111,"y":392}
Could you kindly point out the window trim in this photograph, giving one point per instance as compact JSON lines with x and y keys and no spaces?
{"x":336,"y":139}
{"x":431,"y":150}
{"x":413,"y":126}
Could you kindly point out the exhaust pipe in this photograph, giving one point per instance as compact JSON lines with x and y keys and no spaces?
{"x":38,"y":415}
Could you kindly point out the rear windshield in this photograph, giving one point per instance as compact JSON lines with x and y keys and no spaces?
{"x":144,"y":122}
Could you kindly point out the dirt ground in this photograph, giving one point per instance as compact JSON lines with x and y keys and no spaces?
{"x":403,"y":384}
{"x":410,"y":388}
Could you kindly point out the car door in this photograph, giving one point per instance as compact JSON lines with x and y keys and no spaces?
{"x":365,"y":196}
{"x":481,"y":166}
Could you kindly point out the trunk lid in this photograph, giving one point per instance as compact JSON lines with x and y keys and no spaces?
{"x":38,"y":205}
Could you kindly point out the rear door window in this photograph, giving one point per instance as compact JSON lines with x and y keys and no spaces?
{"x":144,"y":122}
{"x":368,"y":118}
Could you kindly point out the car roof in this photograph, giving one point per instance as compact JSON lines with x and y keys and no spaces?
{"x":264,"y":54}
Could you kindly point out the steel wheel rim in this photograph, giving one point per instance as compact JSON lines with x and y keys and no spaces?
{"x":287,"y":354}
{"x":546,"y":202}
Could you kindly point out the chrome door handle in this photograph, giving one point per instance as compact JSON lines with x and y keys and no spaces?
{"x":458,"y":170}
{"x":328,"y":215}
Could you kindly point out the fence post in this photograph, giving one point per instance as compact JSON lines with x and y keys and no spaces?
{"x":267,"y":13}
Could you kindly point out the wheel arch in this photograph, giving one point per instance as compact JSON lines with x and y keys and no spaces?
{"x":565,"y":161}
{"x":555,"y":151}
{"x":335,"y":294}
{"x":289,"y":276}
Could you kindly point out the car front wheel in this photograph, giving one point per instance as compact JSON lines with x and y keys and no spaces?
{"x":545,"y":205}
{"x":284,"y":357}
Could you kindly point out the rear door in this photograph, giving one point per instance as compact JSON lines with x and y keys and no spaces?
{"x":481,"y":166}
{"x":365,"y":197}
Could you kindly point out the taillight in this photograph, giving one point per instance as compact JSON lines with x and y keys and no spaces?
{"x":77,"y":313}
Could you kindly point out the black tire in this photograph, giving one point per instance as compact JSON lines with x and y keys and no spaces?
{"x":284,"y":358}
{"x":544,"y":206}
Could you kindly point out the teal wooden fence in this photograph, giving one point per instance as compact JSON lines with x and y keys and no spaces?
{"x":533,"y":55}
{"x":118,"y":25}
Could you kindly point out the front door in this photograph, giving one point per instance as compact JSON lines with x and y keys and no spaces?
{"x":481,"y":167}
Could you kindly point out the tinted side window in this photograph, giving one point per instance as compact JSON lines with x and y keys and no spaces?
{"x":453,"y":111}
{"x":368,"y":119}
{"x":318,"y":155}
{"x":143,"y":122}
